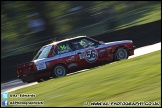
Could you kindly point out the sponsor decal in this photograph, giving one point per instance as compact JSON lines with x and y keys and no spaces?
{"x":41,"y":66}
{"x":62,"y":47}
{"x":102,"y":52}
{"x":81,"y":56}
{"x":72,"y":58}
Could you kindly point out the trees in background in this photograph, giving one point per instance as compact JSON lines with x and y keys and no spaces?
{"x":29,"y":22}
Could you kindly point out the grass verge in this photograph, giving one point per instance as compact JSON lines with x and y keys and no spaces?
{"x":136,"y":79}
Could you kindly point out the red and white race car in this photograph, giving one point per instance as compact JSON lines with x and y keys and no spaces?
{"x":58,"y":58}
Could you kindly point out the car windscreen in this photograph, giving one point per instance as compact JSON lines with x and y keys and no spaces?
{"x":43,"y":52}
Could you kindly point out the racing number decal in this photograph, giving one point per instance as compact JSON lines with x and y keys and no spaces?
{"x":91,"y":55}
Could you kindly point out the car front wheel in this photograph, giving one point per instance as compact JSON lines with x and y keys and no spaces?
{"x":59,"y":71}
{"x":121,"y":54}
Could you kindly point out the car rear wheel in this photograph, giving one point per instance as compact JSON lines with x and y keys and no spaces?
{"x":59,"y":71}
{"x":24,"y":81}
{"x":39,"y":80}
{"x":121,"y":54}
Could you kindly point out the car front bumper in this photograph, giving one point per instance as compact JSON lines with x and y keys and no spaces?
{"x":132,"y":48}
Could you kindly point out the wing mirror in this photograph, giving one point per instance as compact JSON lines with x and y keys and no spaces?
{"x":101,"y":42}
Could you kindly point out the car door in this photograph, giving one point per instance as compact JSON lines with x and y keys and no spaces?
{"x":95,"y":51}
{"x":79,"y":51}
{"x":86,"y":51}
{"x":65,"y":55}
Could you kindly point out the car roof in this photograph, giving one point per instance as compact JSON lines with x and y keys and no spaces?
{"x":56,"y":42}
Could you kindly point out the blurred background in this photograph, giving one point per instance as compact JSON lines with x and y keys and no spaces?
{"x":28,"y":25}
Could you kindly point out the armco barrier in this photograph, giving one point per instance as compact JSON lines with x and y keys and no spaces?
{"x":141,"y":35}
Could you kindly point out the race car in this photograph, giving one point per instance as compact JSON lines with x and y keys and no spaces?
{"x":58,"y":58}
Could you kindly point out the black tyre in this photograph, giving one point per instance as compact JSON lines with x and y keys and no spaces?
{"x":121,"y":53}
{"x":39,"y":80}
{"x":24,"y":81}
{"x":59,"y":71}
{"x":29,"y":81}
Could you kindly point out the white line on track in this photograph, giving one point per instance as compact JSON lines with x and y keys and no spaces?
{"x":18,"y":84}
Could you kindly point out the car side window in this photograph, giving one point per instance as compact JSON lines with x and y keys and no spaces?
{"x":81,"y":43}
{"x":86,"y":42}
{"x":62,"y":48}
{"x":76,"y":45}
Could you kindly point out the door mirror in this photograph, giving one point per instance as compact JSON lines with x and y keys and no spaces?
{"x":101,"y":42}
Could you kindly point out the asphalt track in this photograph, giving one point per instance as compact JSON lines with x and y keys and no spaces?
{"x":17,"y":84}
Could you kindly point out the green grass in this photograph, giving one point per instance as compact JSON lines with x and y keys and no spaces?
{"x":136,"y":79}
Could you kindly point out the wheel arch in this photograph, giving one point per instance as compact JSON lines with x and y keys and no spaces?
{"x":115,"y":50}
{"x":120,"y":46}
{"x":60,"y":64}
